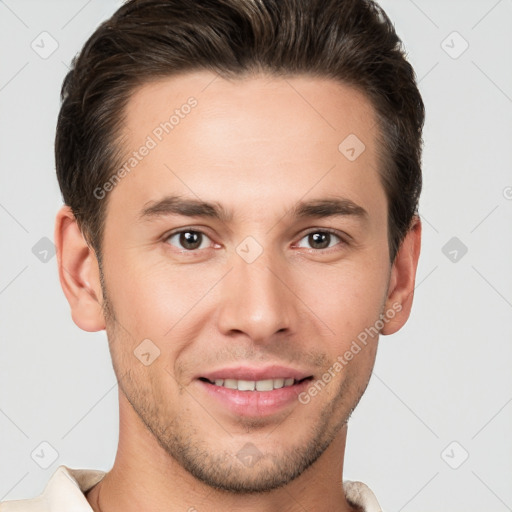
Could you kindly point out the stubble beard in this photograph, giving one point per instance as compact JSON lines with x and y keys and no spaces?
{"x":219,"y":468}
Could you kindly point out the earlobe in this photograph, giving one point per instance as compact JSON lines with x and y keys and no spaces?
{"x":402,"y":280}
{"x":78,"y":273}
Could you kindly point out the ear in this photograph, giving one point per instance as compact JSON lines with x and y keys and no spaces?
{"x":78,"y":273}
{"x":402,"y":279}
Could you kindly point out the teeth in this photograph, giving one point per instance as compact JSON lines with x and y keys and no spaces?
{"x":231,"y":384}
{"x":246,"y":385}
{"x":278,"y":383}
{"x":251,"y":385}
{"x":264,"y":385}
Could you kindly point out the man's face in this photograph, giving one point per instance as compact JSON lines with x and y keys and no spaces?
{"x":260,"y":294}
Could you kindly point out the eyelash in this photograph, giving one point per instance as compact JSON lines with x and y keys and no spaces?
{"x":342,"y":240}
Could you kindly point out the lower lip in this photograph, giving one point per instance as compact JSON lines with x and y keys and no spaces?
{"x":255,"y":403}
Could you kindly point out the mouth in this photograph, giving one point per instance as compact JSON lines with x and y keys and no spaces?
{"x":256,"y":385}
{"x":253,"y":392}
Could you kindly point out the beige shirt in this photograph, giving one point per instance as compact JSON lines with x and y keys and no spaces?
{"x":65,"y":490}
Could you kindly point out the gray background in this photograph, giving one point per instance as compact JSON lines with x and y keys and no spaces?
{"x":441,"y":390}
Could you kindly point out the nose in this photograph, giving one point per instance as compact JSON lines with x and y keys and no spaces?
{"x":256,"y":300}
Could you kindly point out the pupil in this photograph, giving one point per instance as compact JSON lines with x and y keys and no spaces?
{"x":190,"y":239}
{"x":319,"y":240}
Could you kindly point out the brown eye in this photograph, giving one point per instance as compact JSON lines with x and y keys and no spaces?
{"x":189,"y":240}
{"x":320,"y":240}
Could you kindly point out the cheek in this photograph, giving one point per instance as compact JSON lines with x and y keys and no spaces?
{"x":152,"y":295}
{"x":347,"y":299}
{"x":349,"y":302}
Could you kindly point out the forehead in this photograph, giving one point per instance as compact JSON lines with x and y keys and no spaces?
{"x":305,"y":103}
{"x":259,"y":137}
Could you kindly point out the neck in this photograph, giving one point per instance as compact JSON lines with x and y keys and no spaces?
{"x":145,"y":477}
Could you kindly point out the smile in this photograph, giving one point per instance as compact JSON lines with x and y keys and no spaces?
{"x":253,"y":398}
{"x":254,"y":385}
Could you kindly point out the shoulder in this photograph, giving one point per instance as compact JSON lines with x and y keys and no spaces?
{"x":64,"y":491}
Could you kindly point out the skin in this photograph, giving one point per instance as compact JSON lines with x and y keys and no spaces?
{"x":257,"y":146}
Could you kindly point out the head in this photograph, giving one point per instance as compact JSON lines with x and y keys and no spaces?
{"x":241,"y":180}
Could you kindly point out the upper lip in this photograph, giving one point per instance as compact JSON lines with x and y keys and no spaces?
{"x":254,"y":373}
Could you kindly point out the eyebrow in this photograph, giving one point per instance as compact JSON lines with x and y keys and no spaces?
{"x":188,"y":207}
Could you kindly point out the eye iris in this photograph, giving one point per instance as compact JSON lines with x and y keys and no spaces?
{"x":319,"y":240}
{"x":190,"y":239}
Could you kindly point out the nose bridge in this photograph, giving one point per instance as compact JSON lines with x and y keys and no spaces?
{"x":254,"y":299}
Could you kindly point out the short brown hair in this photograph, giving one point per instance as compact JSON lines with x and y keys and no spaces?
{"x":351,"y":41}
